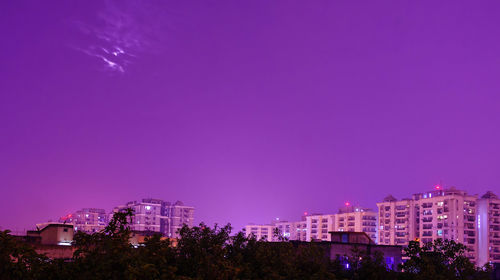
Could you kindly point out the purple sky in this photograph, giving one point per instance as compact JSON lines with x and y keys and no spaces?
{"x":247,"y":110}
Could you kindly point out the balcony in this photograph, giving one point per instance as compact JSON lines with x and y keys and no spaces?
{"x":470,"y":233}
{"x":427,"y":219}
{"x":469,"y":225}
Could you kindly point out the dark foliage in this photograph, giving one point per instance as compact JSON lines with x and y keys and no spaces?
{"x":441,"y":259}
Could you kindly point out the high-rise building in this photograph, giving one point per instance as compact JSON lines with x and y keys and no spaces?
{"x":88,"y":220}
{"x":396,"y":221}
{"x":488,"y":225}
{"x":159,"y":216}
{"x":441,"y":213}
{"x":177,"y":215}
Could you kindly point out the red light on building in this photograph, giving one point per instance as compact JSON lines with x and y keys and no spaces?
{"x":437,"y":187}
{"x":347,"y":204}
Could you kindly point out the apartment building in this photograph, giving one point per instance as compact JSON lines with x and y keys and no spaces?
{"x":88,"y":220}
{"x":440,"y":213}
{"x":177,"y":215}
{"x":318,"y":226}
{"x":160,"y":216}
{"x":348,"y":218}
{"x":488,"y":225}
{"x":261,"y":232}
{"x":357,"y":219}
{"x":397,"y":220}
{"x":293,"y":230}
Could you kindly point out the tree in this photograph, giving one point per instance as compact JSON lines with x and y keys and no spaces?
{"x":106,"y":254}
{"x":441,"y":259}
{"x":18,"y":260}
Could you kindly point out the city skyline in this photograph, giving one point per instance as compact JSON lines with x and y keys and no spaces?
{"x":348,"y":206}
{"x":245,"y":110}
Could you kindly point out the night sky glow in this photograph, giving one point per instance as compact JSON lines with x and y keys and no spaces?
{"x":246,"y":110}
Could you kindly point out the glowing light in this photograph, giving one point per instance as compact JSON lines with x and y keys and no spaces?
{"x":305,"y":213}
{"x":148,"y":207}
{"x":347,"y":204}
{"x":437,"y":187}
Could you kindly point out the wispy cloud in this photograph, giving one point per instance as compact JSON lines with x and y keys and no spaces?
{"x":118,"y":33}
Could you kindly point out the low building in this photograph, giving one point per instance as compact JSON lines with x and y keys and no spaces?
{"x":53,"y":234}
{"x":52,"y":239}
{"x":343,"y":244}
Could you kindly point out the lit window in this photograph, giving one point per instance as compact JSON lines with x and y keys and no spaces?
{"x":148,"y":207}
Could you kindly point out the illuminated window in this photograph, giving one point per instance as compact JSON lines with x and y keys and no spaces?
{"x":148,"y":207}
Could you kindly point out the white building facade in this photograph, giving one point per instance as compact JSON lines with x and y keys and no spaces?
{"x":488,"y":225}
{"x":441,"y":213}
{"x":316,"y":227}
